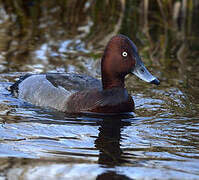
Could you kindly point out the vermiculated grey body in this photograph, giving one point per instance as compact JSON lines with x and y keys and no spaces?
{"x":53,"y":89}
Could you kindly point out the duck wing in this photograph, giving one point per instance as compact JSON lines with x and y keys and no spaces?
{"x":73,"y":81}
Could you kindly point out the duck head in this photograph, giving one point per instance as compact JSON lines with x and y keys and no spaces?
{"x":121,"y":58}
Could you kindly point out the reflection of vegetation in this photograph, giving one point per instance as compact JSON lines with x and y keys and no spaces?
{"x":104,"y":16}
{"x":162,"y":28}
{"x":165,"y":27}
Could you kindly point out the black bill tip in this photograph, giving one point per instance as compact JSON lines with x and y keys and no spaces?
{"x":155,"y":81}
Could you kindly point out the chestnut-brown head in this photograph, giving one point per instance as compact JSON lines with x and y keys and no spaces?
{"x":121,"y":58}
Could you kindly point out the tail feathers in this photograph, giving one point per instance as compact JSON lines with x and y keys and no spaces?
{"x":14,"y":88}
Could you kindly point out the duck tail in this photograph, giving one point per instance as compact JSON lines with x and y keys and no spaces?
{"x":14,"y":88}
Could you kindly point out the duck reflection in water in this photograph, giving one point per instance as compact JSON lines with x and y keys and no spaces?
{"x":108,"y":144}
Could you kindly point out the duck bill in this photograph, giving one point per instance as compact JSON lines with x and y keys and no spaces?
{"x":141,"y":72}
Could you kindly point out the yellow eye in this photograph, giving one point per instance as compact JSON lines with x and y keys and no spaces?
{"x":124,"y":54}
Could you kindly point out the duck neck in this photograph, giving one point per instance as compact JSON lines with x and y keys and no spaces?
{"x":110,"y":82}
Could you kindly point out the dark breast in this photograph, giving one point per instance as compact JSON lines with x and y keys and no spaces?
{"x":114,"y":100}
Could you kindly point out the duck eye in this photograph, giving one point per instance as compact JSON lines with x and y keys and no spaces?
{"x":124,"y":54}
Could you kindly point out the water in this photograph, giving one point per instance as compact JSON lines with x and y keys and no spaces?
{"x":152,"y":143}
{"x":159,"y":141}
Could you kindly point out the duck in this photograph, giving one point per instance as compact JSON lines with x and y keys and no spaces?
{"x":80,"y":93}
